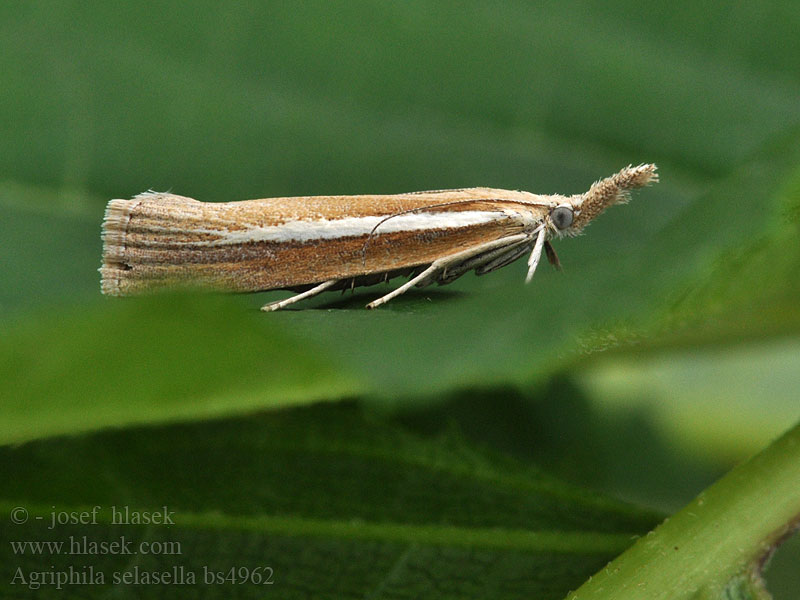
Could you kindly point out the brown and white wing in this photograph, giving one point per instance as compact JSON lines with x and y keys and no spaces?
{"x":159,"y":240}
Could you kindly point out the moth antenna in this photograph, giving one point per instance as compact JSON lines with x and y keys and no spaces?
{"x":424,"y":208}
{"x":408,"y":212}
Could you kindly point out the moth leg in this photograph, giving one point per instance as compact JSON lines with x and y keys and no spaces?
{"x":307,"y":294}
{"x":501,"y":260}
{"x":533,"y":261}
{"x":406,"y":286}
{"x":482,"y":261}
{"x":444,"y":263}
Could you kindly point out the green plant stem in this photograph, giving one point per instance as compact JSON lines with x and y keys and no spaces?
{"x":725,"y":533}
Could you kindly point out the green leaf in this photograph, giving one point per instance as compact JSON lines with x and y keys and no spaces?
{"x":339,"y":503}
{"x":522,"y":333}
{"x":159,"y":359}
{"x":673,"y":259}
{"x":746,"y":288}
{"x":259,"y":100}
{"x":255,"y":99}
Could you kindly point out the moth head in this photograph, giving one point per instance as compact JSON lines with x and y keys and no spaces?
{"x":571,"y":215}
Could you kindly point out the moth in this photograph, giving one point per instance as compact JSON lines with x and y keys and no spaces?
{"x":318,"y":243}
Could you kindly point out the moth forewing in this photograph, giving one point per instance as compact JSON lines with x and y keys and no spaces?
{"x":318,"y":243}
{"x":163,"y":240}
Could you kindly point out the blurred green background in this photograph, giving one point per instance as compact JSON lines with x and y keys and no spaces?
{"x":666,"y":351}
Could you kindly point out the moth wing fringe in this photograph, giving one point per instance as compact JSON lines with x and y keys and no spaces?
{"x":114,"y":232}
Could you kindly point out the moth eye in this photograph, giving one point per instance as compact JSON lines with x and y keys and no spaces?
{"x":561,"y":217}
